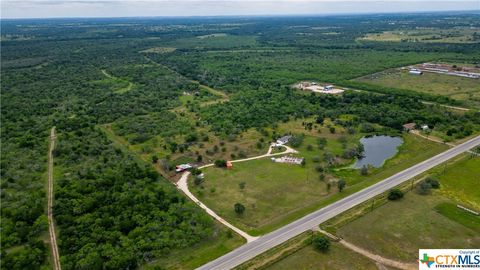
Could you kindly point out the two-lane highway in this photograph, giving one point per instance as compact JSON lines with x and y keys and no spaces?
{"x":268,"y":241}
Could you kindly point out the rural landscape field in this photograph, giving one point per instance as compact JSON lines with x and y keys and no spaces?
{"x":291,"y":142}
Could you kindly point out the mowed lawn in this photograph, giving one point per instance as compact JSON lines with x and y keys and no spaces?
{"x":338,"y":257}
{"x":272,"y":191}
{"x":459,"y":88}
{"x":276,"y":194}
{"x":398,"y":229}
{"x":461,"y":182}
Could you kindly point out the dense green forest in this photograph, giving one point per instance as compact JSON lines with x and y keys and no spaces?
{"x":113,"y":211}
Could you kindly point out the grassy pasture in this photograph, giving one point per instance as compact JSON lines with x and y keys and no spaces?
{"x":398,"y":229}
{"x":337,"y":257}
{"x":159,"y":50}
{"x":428,"y":35}
{"x":276,"y":194}
{"x":215,"y":41}
{"x":465,"y":89}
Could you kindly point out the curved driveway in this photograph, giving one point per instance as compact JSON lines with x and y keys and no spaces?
{"x":182,"y":184}
{"x":268,"y":241}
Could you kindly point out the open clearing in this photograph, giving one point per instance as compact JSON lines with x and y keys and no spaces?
{"x":398,"y":229}
{"x":465,"y":89}
{"x":159,"y":50}
{"x":275,"y":194}
{"x":121,"y":85}
{"x":338,"y":257}
{"x":430,"y":35}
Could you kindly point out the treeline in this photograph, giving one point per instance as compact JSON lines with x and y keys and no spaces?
{"x":399,"y":92}
{"x":115,"y":213}
{"x":262,"y":108}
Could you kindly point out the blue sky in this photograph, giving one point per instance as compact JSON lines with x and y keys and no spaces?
{"x":128,"y":8}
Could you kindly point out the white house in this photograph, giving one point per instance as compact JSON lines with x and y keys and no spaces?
{"x":284,"y":140}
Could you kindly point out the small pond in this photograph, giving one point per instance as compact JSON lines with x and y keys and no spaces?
{"x":377,"y":150}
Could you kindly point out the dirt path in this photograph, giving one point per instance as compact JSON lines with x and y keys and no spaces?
{"x":182,"y":184}
{"x":446,"y":106}
{"x":51,"y":223}
{"x":121,"y":90}
{"x":381,"y":261}
{"x":221,"y":94}
{"x":433,"y":139}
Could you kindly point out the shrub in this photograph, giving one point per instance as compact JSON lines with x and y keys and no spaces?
{"x":220,"y":163}
{"x":423,"y":188}
{"x":364,"y":170}
{"x":433,"y":182}
{"x":321,"y":243}
{"x":341,"y":185}
{"x":239,"y":208}
{"x":197,"y":181}
{"x":395,"y":194}
{"x":241,"y":185}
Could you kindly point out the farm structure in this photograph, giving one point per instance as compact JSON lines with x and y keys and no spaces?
{"x":283,"y":140}
{"x":289,"y":160}
{"x":467,"y":72}
{"x":315,"y":87}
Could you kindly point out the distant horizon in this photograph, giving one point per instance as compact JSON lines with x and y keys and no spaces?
{"x":77,"y":9}
{"x":253,"y":16}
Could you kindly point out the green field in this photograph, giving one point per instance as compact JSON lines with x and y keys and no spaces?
{"x":460,"y":182}
{"x":428,"y":35}
{"x":221,"y":41}
{"x":398,"y":229}
{"x":276,"y":193}
{"x":338,"y":257}
{"x":459,"y":88}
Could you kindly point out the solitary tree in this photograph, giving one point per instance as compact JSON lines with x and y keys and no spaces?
{"x":221,"y":163}
{"x":154,"y":159}
{"x":321,"y":243}
{"x":239,"y":208}
{"x":341,"y":185}
{"x":364,"y":170}
{"x":241,"y":185}
{"x":423,"y":188}
{"x":395,"y":194}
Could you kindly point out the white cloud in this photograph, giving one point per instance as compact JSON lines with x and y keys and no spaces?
{"x":117,"y":8}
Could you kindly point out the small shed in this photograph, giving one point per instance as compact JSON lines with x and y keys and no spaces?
{"x":229,"y":165}
{"x":409,"y":126}
{"x":415,"y":72}
{"x":328,"y":87}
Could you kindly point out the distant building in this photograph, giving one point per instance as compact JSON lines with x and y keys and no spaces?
{"x":424,"y":127}
{"x":409,"y":126}
{"x":415,"y":72}
{"x":284,"y":140}
{"x":229,"y":165}
{"x":328,"y":87}
{"x":183,"y":167}
{"x":289,"y":160}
